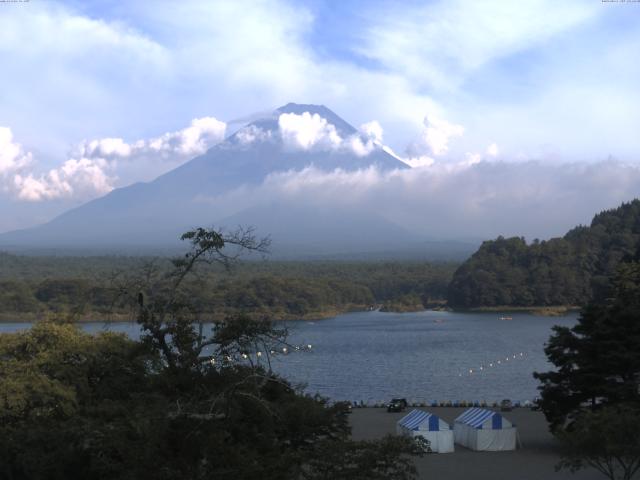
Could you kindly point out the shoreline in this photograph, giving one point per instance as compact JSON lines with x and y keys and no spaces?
{"x":93,"y":317}
{"x":544,"y":311}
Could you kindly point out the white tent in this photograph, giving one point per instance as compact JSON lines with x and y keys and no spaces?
{"x":429,"y":426}
{"x":480,"y":429}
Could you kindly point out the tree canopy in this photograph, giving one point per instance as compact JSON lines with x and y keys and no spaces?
{"x":592,"y":398}
{"x":184,"y":402}
{"x":561,"y":271}
{"x":598,"y":360}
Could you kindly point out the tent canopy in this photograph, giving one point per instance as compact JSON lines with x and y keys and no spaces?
{"x":428,"y":426}
{"x":484,"y":430}
{"x":419,"y":420}
{"x":483,"y":419}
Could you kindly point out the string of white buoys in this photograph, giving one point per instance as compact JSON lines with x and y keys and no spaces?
{"x":485,"y":366}
{"x":213,"y":360}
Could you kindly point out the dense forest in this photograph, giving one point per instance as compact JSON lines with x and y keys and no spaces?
{"x":561,"y":271}
{"x":84,"y":288}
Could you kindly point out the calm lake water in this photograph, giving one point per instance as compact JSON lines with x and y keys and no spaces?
{"x":425,"y":356}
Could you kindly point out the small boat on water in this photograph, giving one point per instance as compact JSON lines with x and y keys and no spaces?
{"x":506,"y":318}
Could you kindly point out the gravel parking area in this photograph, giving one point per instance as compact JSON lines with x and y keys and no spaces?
{"x":534,"y":461}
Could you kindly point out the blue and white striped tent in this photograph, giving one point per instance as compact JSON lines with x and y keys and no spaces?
{"x":429,"y":426}
{"x":481,"y":429}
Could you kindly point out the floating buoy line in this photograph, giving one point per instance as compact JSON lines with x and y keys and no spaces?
{"x":486,"y":366}
{"x":248,"y":356}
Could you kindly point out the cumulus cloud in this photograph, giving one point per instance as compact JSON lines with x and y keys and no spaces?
{"x":369,"y":138}
{"x":12,"y":155}
{"x":82,"y":177}
{"x":193,"y":140}
{"x":435,"y":136}
{"x":91,"y":170}
{"x":308,"y":131}
{"x":105,"y":147}
{"x":372,"y":131}
{"x":201,"y":134}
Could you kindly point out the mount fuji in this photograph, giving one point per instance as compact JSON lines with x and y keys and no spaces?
{"x":293,"y":138}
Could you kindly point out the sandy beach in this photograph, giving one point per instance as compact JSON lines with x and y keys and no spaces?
{"x":534,"y":461}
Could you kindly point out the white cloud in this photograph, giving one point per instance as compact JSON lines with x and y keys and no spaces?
{"x":307,"y":131}
{"x":372,"y":131}
{"x":106,"y":147}
{"x":84,"y":178}
{"x":368,"y":139}
{"x":91,"y":170}
{"x":253,"y":134}
{"x":471,"y":198}
{"x":434,"y":139}
{"x":193,"y":140}
{"x":440,"y":43}
{"x":12,"y":156}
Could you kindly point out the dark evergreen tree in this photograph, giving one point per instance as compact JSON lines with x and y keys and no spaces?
{"x":598,"y":360}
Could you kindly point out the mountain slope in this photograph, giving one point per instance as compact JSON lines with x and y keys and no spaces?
{"x":562,"y":271}
{"x":155,"y":213}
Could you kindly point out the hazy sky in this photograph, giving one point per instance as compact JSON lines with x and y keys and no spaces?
{"x":97,"y":95}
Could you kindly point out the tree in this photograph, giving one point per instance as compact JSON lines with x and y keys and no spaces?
{"x":592,"y":399}
{"x":560,"y":271}
{"x":364,"y":460}
{"x":607,"y":440}
{"x":598,"y":360}
{"x":188,"y":401}
{"x":63,"y":394}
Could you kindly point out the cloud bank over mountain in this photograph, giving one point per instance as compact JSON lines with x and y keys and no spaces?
{"x":480,"y":199}
{"x":451,"y":83}
{"x":295,"y":168}
{"x":91,"y":170}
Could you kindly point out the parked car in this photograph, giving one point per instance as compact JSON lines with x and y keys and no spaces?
{"x":535,"y":405}
{"x":397,"y":405}
{"x":346,"y":407}
{"x":506,"y":405}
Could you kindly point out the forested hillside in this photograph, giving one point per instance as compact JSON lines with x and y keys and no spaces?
{"x":88,"y":287}
{"x":562,"y":271}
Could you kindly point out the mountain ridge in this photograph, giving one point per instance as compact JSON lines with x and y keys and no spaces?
{"x":157,"y":212}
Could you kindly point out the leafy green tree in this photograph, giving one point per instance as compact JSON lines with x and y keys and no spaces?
{"x":184,"y":402}
{"x":62,"y":394}
{"x":607,"y":440}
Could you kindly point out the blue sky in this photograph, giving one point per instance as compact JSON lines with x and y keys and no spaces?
{"x":555,"y":82}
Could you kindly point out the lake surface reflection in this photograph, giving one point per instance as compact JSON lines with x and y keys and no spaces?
{"x":424,"y":356}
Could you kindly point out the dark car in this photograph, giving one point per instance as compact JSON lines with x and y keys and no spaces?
{"x":506,"y":405}
{"x":397,"y":405}
{"x":345,"y":407}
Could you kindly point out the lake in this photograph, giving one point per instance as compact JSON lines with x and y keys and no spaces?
{"x":425,"y":356}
